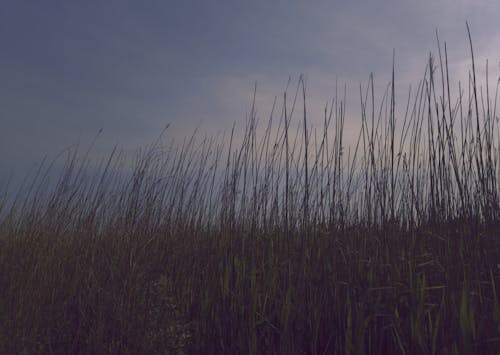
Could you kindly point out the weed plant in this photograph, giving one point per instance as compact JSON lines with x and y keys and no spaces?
{"x":286,"y":241}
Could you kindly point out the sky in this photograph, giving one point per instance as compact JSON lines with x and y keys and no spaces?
{"x":71,"y":68}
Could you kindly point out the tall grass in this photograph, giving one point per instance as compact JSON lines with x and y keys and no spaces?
{"x":284,"y":241}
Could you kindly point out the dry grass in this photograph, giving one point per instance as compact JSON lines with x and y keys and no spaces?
{"x":285,"y":243}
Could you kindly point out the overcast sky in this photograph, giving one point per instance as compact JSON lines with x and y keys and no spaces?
{"x":69,"y":68}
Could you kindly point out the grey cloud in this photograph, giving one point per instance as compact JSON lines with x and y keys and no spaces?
{"x":69,"y":69}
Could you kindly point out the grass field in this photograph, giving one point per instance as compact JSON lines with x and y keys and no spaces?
{"x":286,"y":241}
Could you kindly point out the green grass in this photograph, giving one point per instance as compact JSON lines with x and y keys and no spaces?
{"x":286,"y":242}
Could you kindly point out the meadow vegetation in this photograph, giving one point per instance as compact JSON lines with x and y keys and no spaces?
{"x":286,"y":241}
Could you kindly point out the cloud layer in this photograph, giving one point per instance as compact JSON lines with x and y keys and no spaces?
{"x":69,"y":69}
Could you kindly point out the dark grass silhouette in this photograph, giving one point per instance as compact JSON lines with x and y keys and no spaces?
{"x":286,"y":242}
